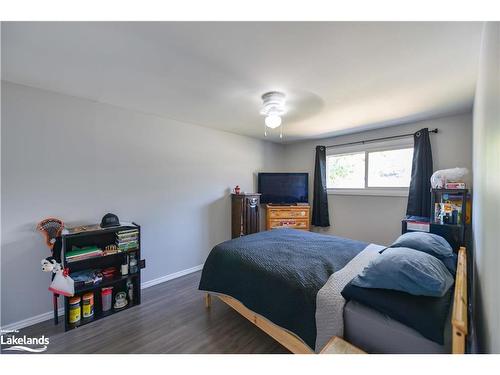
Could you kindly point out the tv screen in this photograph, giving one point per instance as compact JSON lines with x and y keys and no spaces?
{"x":283,"y":187}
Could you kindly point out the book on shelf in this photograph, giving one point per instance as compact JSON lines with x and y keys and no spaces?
{"x":127,"y":239}
{"x":454,"y":185}
{"x":83,"y":257}
{"x":419,"y":226}
{"x":417,"y":223}
{"x":128,"y":246}
{"x":82,"y":253}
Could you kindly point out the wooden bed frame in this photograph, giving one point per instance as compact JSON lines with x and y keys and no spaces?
{"x":295,"y":344}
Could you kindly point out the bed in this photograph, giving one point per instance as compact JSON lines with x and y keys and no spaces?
{"x":289,"y":284}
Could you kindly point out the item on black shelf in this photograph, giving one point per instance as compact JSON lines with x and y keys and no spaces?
{"x":74,"y":310}
{"x":109,"y":273}
{"x":110,"y":249}
{"x":83,"y":228}
{"x":120,"y":300}
{"x":127,"y":239}
{"x":237,"y":189}
{"x":417,"y":223}
{"x":132,"y":263}
{"x":106,"y":298}
{"x":443,"y":176}
{"x":110,"y":220}
{"x":130,"y":290}
{"x":449,"y":211}
{"x":124,"y":267}
{"x":454,"y":185}
{"x":83,"y":253}
{"x":446,"y":218}
{"x":86,"y":277}
{"x":88,"y":305}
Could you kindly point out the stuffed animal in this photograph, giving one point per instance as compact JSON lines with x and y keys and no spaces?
{"x":62,"y":283}
{"x":49,"y":264}
{"x":441,"y":177}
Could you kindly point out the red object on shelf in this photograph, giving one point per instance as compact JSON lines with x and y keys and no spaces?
{"x":109,"y":273}
{"x":237,"y":189}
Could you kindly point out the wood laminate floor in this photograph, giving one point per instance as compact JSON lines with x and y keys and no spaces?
{"x":171,"y":319}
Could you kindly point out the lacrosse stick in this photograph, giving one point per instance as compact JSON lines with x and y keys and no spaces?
{"x":51,"y":228}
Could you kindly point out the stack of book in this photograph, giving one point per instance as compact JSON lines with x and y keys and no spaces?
{"x":127,"y":239}
{"x":417,"y":223}
{"x":82,"y":253}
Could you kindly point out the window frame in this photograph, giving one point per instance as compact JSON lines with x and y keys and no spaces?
{"x":394,"y":144}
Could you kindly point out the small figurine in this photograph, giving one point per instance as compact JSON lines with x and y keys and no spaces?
{"x":237,"y":189}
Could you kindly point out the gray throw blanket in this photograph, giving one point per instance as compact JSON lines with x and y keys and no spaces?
{"x":329,"y":301}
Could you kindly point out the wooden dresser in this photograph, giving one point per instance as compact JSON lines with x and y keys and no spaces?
{"x":245,"y":214}
{"x":296,"y":217}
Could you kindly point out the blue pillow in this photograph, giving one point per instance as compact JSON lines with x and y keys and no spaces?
{"x":431,"y":244}
{"x":406,"y":270}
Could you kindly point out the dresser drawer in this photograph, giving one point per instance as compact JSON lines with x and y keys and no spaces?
{"x":292,"y":213}
{"x":289,"y":223}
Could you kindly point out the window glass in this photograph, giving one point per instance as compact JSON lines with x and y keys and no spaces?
{"x":390,"y":168}
{"x":346,"y":171}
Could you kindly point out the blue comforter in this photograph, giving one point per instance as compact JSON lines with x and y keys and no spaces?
{"x":278,"y":273}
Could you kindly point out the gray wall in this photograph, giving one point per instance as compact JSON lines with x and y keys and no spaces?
{"x":77,"y":159}
{"x":374,"y":218}
{"x":486,"y":213}
{"x":171,"y":177}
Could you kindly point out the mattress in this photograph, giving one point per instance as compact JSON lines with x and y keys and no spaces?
{"x":375,"y":332}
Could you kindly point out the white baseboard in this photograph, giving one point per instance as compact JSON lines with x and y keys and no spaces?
{"x":49,"y":314}
{"x":175,"y":275}
{"x":33,"y":320}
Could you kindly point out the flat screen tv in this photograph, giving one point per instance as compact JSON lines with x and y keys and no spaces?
{"x":284,"y":188}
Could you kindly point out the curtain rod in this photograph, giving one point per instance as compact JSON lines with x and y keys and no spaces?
{"x":378,"y":139}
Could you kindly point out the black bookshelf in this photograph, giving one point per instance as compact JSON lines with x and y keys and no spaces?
{"x":454,"y":229}
{"x":95,"y":236}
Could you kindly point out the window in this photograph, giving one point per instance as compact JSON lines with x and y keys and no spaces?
{"x":370,"y":169}
{"x":346,"y":171}
{"x":390,"y":168}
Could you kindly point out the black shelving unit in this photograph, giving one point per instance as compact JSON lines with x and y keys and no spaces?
{"x":101,"y":238}
{"x":452,"y":229}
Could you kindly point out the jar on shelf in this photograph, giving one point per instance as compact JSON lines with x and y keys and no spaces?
{"x":88,"y":305}
{"x":132,"y":264}
{"x":74,"y":310}
{"x":107,"y":298}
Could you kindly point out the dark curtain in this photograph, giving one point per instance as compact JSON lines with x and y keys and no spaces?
{"x":419,"y":197}
{"x":320,"y":217}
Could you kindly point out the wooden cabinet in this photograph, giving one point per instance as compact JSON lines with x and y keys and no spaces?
{"x":245,"y":214}
{"x":296,"y":217}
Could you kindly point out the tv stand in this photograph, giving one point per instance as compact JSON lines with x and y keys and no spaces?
{"x":296,"y":216}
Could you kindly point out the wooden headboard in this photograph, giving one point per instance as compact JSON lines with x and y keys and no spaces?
{"x":459,"y":313}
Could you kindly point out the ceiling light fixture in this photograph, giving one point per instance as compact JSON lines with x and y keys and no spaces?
{"x":273,"y":107}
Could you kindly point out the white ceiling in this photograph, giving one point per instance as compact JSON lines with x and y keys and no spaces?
{"x":338,"y":76}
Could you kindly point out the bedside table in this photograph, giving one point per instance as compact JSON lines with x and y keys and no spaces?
{"x":338,"y":346}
